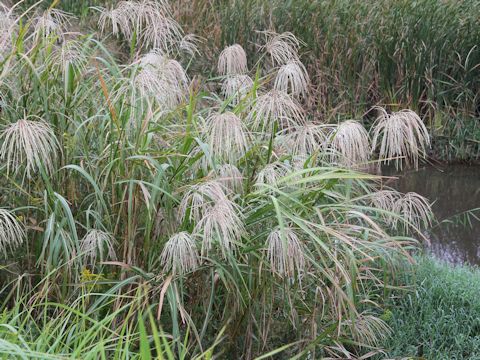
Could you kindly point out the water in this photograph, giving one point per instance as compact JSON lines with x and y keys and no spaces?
{"x":453,"y":189}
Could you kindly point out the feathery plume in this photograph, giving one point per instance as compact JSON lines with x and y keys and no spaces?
{"x":97,"y":243}
{"x":230,"y":177}
{"x":282,"y":48}
{"x":119,"y":19}
{"x":271,"y":173}
{"x":350,"y":144}
{"x":285,"y":252}
{"x":415,"y":209}
{"x":275,"y":106}
{"x":52,"y":22}
{"x":236,"y":87}
{"x":154,"y":59}
{"x":293,"y":79}
{"x":69,"y":53}
{"x":282,"y":145}
{"x":130,"y":16}
{"x":368,"y":329}
{"x":200,"y":198}
{"x":12,"y":234}
{"x":410,"y":209}
{"x":232,"y":61}
{"x":189,"y":44}
{"x":150,"y":21}
{"x":179,"y":254}
{"x":162,"y":78}
{"x":308,"y":138}
{"x":227,"y":137}
{"x":29,"y":143}
{"x":166,"y":34}
{"x":385,"y":200}
{"x":400,"y":134}
{"x":222,"y":224}
{"x":174,"y":74}
{"x":7,"y":28}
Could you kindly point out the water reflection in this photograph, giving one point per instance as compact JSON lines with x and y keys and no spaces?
{"x":453,"y":189}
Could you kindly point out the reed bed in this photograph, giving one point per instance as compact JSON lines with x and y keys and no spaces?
{"x":152,"y":212}
{"x":421,"y":55}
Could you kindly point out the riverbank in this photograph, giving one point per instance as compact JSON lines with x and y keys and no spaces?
{"x":439,"y":316}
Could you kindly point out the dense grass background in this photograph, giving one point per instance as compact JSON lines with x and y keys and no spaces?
{"x":422,"y":54}
{"x":418,"y":54}
{"x":123,"y":174}
{"x":440,"y":318}
{"x":359,"y":55}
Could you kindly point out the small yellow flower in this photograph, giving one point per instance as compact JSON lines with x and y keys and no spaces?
{"x":387,"y":315}
{"x":88,"y":276}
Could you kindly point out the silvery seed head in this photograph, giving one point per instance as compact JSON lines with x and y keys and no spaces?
{"x":275,"y":107}
{"x":70,"y":52}
{"x":307,"y":139}
{"x":189,"y":44}
{"x":400,"y":135}
{"x":230,"y":177}
{"x":271,"y":173}
{"x":367,"y":329}
{"x":232,"y":61}
{"x":415,"y":210}
{"x":12,"y":233}
{"x":166,"y":34}
{"x":285,"y":252}
{"x":52,"y":22}
{"x":200,"y":198}
{"x":31,"y":144}
{"x":8,"y":26}
{"x":179,"y":255}
{"x":236,"y":87}
{"x":227,"y":137}
{"x":350,"y":144}
{"x":161,"y":78}
{"x":282,"y":48}
{"x":97,"y":244}
{"x":150,"y":21}
{"x":293,"y":79}
{"x":221,"y":225}
{"x":384,"y":199}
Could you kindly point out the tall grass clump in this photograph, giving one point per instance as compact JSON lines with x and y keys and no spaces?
{"x":423,"y":55}
{"x":148,"y":212}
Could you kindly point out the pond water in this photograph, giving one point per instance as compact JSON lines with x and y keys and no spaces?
{"x":453,"y":189}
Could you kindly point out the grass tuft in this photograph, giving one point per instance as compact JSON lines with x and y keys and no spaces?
{"x":440,"y":318}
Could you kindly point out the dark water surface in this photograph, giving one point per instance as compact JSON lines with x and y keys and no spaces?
{"x":453,"y":189}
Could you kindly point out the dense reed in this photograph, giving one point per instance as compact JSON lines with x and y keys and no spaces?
{"x":148,"y":215}
{"x":423,"y":55}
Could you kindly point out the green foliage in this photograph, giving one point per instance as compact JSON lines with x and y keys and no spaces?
{"x":418,"y":54}
{"x":399,"y":41}
{"x":440,"y":317}
{"x":89,"y":329}
{"x":282,"y":249}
